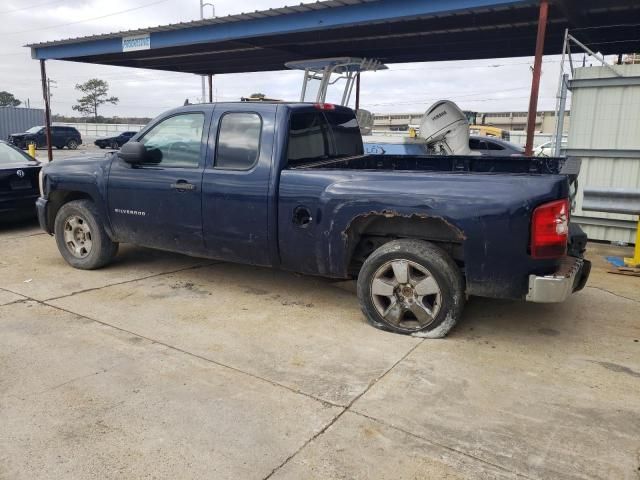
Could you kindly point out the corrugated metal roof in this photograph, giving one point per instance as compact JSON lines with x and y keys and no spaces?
{"x":392,"y":31}
{"x":238,"y":17}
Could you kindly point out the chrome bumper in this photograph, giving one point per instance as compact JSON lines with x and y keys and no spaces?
{"x":570,"y":277}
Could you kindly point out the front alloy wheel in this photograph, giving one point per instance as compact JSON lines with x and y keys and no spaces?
{"x":81,"y":237}
{"x":77,"y":236}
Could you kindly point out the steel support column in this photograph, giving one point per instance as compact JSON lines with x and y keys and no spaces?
{"x":210,"y":78}
{"x":537,"y":70}
{"x":47,"y":110}
{"x":358,"y":91}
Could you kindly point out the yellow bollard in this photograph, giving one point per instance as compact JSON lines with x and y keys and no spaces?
{"x":635,"y":261}
{"x":32,"y":150}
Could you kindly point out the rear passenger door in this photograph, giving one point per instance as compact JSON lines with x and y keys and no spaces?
{"x":235,"y":184}
{"x":58,"y":136}
{"x":159,"y":203}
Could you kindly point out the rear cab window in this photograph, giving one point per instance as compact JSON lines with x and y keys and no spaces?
{"x":316,"y":135}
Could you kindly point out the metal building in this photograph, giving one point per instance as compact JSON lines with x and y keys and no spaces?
{"x":605,"y":134}
{"x":16,"y":120}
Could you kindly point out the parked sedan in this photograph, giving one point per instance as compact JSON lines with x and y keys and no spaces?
{"x":114,"y":142}
{"x":18,"y":182}
{"x":495,"y":147}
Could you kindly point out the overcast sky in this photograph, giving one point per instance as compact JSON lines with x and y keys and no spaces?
{"x":480,"y":85}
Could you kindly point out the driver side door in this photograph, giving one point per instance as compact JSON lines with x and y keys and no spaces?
{"x":158,"y":203}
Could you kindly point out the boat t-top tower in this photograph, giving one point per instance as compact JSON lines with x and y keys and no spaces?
{"x":322,"y":69}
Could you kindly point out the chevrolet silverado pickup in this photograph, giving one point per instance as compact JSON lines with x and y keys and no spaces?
{"x":288,"y":185}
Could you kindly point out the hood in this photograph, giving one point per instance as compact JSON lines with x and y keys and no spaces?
{"x":23,"y":134}
{"x":19,"y":165}
{"x":78,"y":163}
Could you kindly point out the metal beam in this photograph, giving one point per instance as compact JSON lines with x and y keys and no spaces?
{"x":358,"y":92}
{"x":537,"y":71}
{"x":604,"y":222}
{"x":246,"y":26}
{"x":601,"y":153}
{"x":611,"y":200}
{"x":603,"y":82}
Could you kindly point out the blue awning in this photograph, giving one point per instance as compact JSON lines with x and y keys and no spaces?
{"x":392,"y":31}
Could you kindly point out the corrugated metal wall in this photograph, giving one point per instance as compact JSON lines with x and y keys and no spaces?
{"x":605,"y":134}
{"x":16,"y":120}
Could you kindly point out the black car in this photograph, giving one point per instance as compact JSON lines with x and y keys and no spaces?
{"x":114,"y":142}
{"x":18,"y":182}
{"x":494,"y":146}
{"x":60,"y":137}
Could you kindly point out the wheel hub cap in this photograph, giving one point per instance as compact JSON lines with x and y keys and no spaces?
{"x":406,"y":294}
{"x":77,"y":236}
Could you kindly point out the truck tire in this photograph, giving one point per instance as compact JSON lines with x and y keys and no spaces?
{"x":81,"y":237}
{"x":411,"y":287}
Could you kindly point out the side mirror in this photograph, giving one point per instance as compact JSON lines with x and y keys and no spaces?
{"x":133,"y":153}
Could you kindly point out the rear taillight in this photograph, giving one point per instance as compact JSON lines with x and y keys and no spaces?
{"x":550,"y":230}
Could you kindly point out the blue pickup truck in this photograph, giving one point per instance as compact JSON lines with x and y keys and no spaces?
{"x":288,"y":185}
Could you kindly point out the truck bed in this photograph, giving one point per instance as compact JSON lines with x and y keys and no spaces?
{"x":449,"y":163}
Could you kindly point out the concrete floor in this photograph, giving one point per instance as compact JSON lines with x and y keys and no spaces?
{"x":164,"y":366}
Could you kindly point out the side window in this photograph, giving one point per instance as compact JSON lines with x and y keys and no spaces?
{"x":494,"y":146}
{"x":238,"y":141}
{"x":308,"y":137}
{"x":175,"y":142}
{"x":474,"y":144}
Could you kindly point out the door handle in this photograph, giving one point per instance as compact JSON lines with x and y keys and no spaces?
{"x":183,"y":186}
{"x":302,"y":217}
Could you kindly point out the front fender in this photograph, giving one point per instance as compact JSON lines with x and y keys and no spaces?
{"x":75,"y":178}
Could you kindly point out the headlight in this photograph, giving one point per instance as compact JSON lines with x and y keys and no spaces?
{"x":41,"y":183}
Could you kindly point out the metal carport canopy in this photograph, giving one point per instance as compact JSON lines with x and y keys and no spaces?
{"x":392,"y":31}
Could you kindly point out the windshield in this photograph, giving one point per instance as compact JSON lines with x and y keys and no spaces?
{"x":34,"y":129}
{"x":10,"y":155}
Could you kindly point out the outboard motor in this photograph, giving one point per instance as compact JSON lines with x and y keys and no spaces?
{"x":444,"y":127}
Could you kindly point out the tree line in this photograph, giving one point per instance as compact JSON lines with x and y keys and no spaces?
{"x":95,"y":93}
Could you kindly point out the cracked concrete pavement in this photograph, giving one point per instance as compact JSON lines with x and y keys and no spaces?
{"x":165,"y":366}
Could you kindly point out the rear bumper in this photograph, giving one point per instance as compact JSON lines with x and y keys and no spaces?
{"x":570,"y":277}
{"x":42,"y":206}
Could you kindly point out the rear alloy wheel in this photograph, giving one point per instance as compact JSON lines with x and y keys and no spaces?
{"x":411,"y":287}
{"x":81,"y":237}
{"x":114,"y":145}
{"x":72,"y":144}
{"x":406,"y":294}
